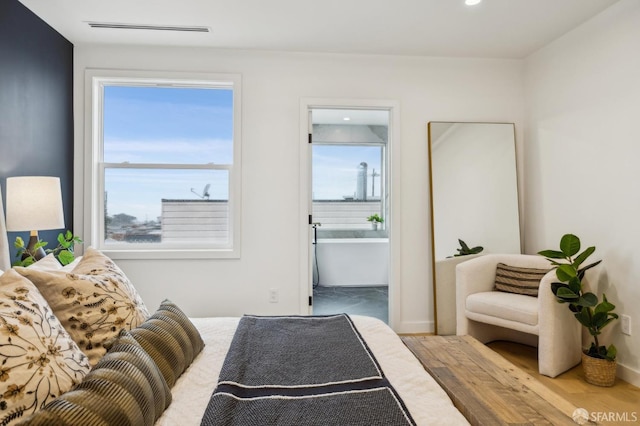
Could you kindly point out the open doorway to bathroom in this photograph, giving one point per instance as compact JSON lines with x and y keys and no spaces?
{"x":350,"y":206}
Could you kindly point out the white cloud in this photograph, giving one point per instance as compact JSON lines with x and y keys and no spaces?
{"x":177,"y":151}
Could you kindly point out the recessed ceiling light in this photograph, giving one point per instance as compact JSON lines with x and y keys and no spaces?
{"x":471,"y":2}
{"x":347,"y":118}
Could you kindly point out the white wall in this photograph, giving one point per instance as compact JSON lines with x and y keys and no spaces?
{"x":273,"y":85}
{"x":581,"y":158}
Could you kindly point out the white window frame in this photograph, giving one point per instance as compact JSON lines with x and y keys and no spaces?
{"x":95,"y":81}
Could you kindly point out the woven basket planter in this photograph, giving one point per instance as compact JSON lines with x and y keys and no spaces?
{"x":599,"y":372}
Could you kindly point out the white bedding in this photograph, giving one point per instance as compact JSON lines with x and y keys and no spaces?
{"x":427,"y":402}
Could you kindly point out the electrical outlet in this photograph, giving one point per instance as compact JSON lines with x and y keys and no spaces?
{"x":273,"y":295}
{"x":625,"y":324}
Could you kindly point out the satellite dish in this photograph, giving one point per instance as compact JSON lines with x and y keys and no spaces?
{"x":205,"y":192}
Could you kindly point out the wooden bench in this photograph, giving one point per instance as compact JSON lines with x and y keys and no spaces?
{"x":485,"y":387}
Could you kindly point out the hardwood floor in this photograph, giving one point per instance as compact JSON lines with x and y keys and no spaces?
{"x":616,"y":405}
{"x":485,"y":387}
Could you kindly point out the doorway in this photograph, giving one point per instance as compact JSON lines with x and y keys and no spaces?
{"x":349,"y":201}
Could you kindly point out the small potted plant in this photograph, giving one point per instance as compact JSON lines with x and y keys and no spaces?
{"x":63,"y":251}
{"x":465,"y":250}
{"x":375,"y":220}
{"x":599,"y":361}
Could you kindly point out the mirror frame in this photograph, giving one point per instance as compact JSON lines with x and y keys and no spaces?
{"x":431,"y":205}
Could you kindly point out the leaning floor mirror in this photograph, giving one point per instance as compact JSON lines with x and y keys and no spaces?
{"x":474,"y":203}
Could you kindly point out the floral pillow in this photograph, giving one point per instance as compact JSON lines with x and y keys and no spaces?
{"x":38,"y":359}
{"x":93,"y":302}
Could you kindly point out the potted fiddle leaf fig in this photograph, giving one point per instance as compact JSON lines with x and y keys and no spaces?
{"x":599,"y":361}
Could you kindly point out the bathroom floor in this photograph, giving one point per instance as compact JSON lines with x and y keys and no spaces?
{"x":370,"y":301}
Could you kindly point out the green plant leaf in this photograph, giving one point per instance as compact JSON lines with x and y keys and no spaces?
{"x":582,"y":271}
{"x":18,"y":243}
{"x":574,"y":308}
{"x":565,"y":272}
{"x":612,"y":352}
{"x":65,"y":257}
{"x":556,"y":286}
{"x":575,"y":285}
{"x":583,"y":256}
{"x":584,"y":318}
{"x":566,"y":293}
{"x":606,"y":322}
{"x":569,"y":245}
{"x":29,"y":260}
{"x":605,"y":307}
{"x":552,"y":254}
{"x":588,"y":299}
{"x":599,"y":319}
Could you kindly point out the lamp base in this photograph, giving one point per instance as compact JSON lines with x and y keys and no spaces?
{"x":37,"y":253}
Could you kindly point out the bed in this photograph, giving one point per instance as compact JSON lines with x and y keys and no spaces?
{"x":189,"y":388}
{"x":426,"y":401}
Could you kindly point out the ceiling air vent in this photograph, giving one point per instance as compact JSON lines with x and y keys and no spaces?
{"x":120,"y":26}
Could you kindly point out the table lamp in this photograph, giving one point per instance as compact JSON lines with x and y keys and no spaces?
{"x":34,"y":203}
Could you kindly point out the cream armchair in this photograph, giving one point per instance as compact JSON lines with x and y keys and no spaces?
{"x":539,"y":321}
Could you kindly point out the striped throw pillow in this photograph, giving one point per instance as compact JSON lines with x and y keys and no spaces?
{"x":514,"y":279}
{"x":171,"y":339}
{"x":124,"y":388}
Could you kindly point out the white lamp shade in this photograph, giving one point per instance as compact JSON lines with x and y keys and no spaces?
{"x":34,"y":203}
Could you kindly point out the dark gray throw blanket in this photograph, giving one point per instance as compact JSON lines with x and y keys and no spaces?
{"x":299,"y":370}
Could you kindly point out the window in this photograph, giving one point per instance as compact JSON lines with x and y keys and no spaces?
{"x":165,"y":164}
{"x":349,"y":171}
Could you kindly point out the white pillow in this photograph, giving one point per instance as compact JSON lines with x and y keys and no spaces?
{"x":70,"y":266}
{"x":47,"y":263}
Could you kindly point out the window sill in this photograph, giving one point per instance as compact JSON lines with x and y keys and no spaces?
{"x":148,"y":254}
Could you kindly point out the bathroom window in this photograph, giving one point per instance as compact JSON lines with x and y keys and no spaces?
{"x":166,"y":164}
{"x":349,"y":177}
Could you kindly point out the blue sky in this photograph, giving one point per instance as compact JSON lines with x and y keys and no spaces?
{"x":165,"y":126}
{"x":335,"y":170}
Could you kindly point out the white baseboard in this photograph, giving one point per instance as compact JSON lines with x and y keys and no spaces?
{"x":412,"y":327}
{"x":628,"y":374}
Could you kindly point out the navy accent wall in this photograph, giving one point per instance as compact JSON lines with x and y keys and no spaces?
{"x":36,"y":104}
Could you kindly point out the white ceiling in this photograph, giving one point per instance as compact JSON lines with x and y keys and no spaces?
{"x":492,"y":29}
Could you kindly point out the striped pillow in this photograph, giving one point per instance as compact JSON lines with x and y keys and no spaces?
{"x":514,"y":279}
{"x":171,"y":339}
{"x":124,"y":388}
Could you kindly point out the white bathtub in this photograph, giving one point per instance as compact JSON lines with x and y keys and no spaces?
{"x":352,"y":261}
